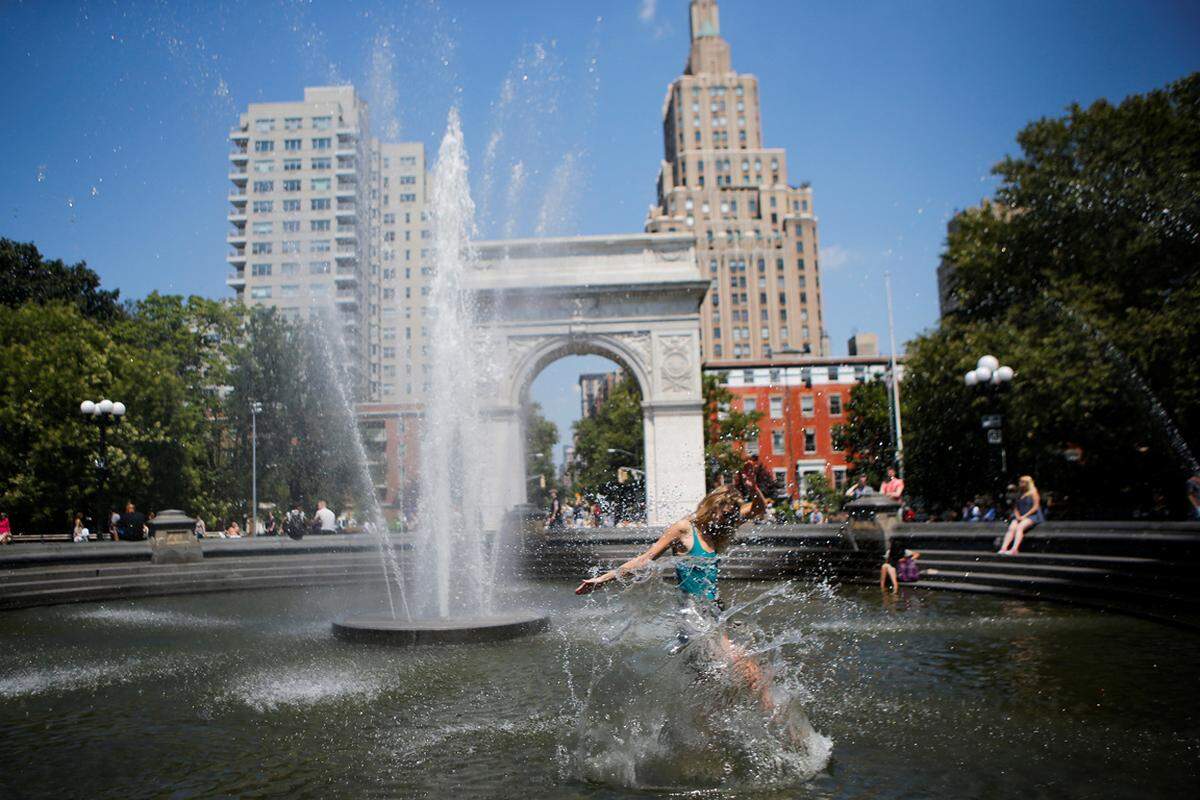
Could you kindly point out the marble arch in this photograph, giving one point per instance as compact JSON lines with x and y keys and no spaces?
{"x":634,"y":299}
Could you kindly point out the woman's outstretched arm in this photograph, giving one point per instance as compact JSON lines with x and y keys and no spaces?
{"x":756,"y":507}
{"x":670,"y":535}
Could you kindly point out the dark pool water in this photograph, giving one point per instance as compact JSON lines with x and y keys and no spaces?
{"x":931,"y":695}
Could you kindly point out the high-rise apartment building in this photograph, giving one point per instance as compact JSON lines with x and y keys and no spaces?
{"x":756,"y":235}
{"x":328,"y":220}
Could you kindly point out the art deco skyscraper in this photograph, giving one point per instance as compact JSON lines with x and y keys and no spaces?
{"x":756,"y":235}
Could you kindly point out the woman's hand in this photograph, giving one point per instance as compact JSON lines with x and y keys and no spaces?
{"x":590,"y":585}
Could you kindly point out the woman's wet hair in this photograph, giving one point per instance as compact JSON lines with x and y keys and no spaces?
{"x":719,"y":515}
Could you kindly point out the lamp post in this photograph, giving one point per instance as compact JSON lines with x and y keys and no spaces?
{"x":989,"y":375}
{"x":255,"y":409}
{"x":103,"y":413}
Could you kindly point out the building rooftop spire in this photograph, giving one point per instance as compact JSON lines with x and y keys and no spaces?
{"x":710,"y":53}
{"x":706,"y":19}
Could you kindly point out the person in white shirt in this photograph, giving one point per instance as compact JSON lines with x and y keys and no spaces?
{"x":324,"y":520}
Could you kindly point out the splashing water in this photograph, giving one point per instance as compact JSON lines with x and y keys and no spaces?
{"x":680,"y":697}
{"x":330,"y":338}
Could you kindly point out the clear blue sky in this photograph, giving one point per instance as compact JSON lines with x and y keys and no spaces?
{"x":115,"y":115}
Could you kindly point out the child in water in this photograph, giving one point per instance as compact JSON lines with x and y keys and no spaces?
{"x":700,"y":538}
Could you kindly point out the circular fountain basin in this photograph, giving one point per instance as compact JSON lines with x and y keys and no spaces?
{"x":383,"y":629}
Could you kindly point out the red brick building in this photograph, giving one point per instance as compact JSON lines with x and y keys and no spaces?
{"x":801,"y":401}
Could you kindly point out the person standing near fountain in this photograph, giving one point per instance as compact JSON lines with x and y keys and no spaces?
{"x":1028,"y":514}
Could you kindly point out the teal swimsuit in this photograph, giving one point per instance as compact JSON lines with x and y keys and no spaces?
{"x":697,"y":570}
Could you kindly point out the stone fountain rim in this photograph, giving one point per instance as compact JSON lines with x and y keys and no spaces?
{"x":383,"y":629}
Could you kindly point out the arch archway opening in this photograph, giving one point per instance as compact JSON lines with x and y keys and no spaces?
{"x":593,"y":400}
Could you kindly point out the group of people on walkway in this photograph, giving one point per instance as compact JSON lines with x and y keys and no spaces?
{"x":294,"y":524}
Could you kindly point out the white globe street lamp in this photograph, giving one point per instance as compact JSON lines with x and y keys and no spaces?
{"x":105,"y":413}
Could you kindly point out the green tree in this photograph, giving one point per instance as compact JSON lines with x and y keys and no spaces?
{"x":541,"y":436}
{"x":1082,"y":277}
{"x":726,"y":431}
{"x":867,"y":435}
{"x":616,"y":426}
{"x":26,"y":277}
{"x":821,"y":494}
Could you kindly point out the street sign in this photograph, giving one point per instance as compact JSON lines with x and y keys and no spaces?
{"x":994,"y":436}
{"x":991,"y":421}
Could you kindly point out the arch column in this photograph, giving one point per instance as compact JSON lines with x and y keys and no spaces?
{"x":674,"y":459}
{"x":504,"y":481}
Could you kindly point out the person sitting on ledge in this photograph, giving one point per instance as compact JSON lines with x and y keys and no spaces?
{"x":1027,"y":515}
{"x":903,"y":571}
{"x":324,"y":521}
{"x":234,"y":531}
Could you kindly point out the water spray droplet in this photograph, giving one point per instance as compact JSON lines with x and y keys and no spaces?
{"x":95,"y":192}
{"x":71,"y":203}
{"x":41,"y":173}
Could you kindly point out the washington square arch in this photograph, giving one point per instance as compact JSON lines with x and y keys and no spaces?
{"x":634,"y":299}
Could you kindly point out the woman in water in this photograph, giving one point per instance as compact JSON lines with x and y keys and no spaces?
{"x":1028,"y":515}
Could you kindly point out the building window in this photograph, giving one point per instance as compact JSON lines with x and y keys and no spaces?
{"x":263,"y":187}
{"x":777,"y":442}
{"x":806,"y":405}
{"x":322,"y":123}
{"x":320,"y":184}
{"x":292,"y":165}
{"x":810,"y":440}
{"x":322,"y":163}
{"x":260,"y":292}
{"x":320,"y":204}
{"x":291,"y":206}
{"x":264,"y":165}
{"x":776,"y":408}
{"x":291,"y":185}
{"x":750,"y":405}
{"x":289,"y":290}
{"x":318,"y":268}
{"x":263,"y":206}
{"x":262,"y":228}
{"x":291,"y":226}
{"x":261,"y":248}
{"x":292,"y":123}
{"x":291,"y":246}
{"x":260,"y":270}
{"x":319,"y":246}
{"x":839,"y":478}
{"x":292,"y":145}
{"x":322,"y":143}
{"x":264,"y":125}
{"x":835,"y":405}
{"x":290,"y":268}
{"x":320,"y":225}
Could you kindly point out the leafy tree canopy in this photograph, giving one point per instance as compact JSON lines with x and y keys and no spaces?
{"x":26,"y":277}
{"x":1082,"y":276}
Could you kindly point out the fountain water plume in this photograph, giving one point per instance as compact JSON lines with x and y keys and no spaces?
{"x":454,"y":452}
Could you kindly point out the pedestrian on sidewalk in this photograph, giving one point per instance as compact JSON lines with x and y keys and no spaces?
{"x":5,"y":529}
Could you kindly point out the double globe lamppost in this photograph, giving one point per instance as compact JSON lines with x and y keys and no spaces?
{"x":990,"y":375}
{"x":104,"y":413}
